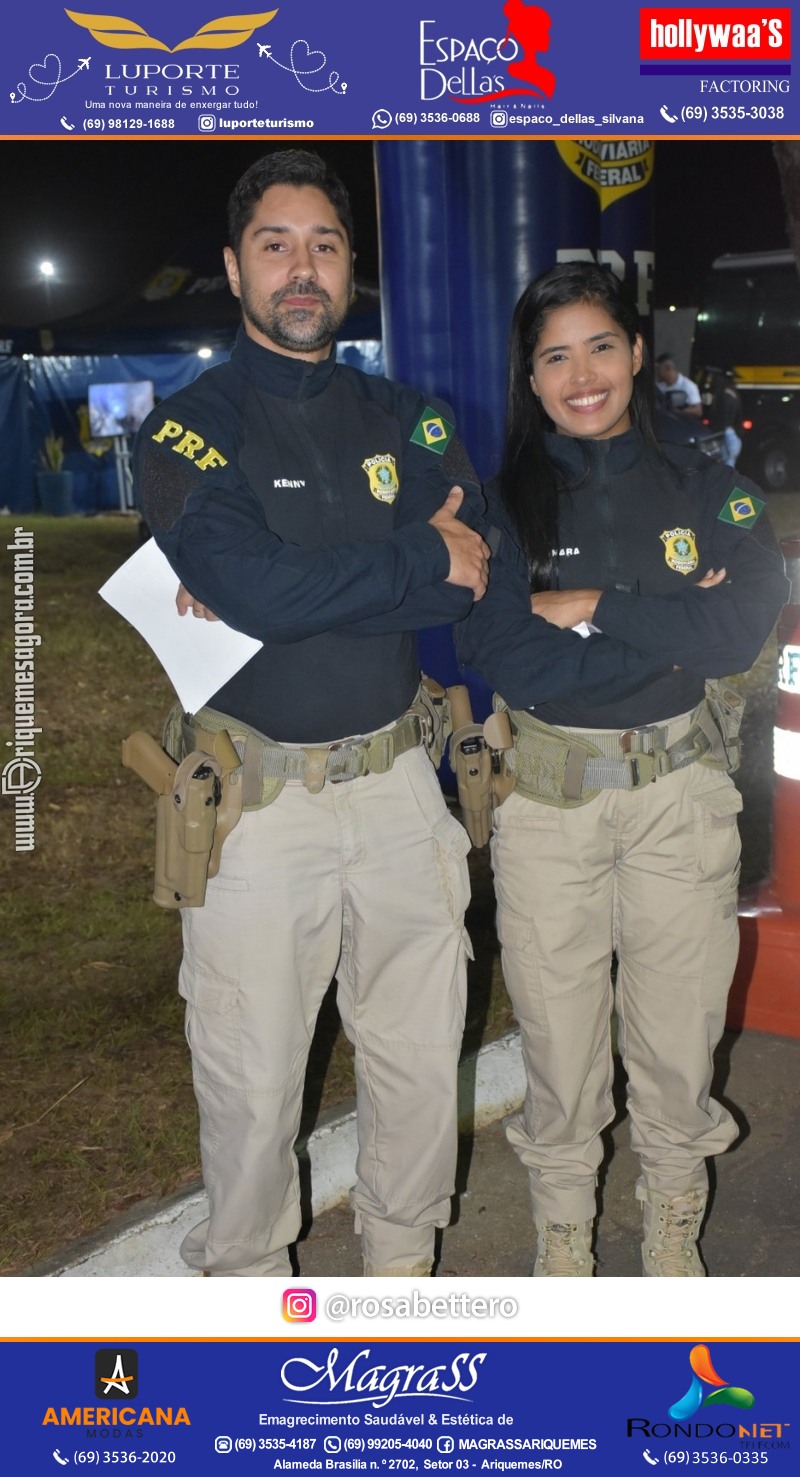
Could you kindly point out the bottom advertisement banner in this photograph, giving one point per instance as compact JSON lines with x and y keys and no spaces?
{"x":389,"y":1407}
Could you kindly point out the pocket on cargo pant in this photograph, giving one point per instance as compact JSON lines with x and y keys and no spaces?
{"x":717,"y":804}
{"x":212,"y":1023}
{"x":452,"y":848}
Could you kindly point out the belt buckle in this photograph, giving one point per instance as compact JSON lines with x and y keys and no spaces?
{"x":352,"y":743}
{"x":631,"y":733}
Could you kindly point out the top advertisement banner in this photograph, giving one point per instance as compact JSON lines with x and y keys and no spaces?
{"x":450,"y":68}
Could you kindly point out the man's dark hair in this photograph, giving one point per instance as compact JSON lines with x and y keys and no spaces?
{"x":285,"y":167}
{"x":665,"y":359}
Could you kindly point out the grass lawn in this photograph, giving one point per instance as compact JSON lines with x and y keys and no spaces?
{"x":98,"y":1111}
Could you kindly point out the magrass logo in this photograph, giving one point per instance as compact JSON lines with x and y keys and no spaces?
{"x":697,"y":1396}
{"x":116,"y":1374}
{"x":126,"y":35}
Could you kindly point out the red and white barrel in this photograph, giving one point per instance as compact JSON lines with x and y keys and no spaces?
{"x":765,"y":995}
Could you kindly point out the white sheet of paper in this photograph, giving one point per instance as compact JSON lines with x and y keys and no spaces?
{"x":198,"y":656}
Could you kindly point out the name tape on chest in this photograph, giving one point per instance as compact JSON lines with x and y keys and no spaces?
{"x":741,"y":509}
{"x":433,"y":431}
{"x":382,"y":473}
{"x":188,"y":443}
{"x":680,"y":549}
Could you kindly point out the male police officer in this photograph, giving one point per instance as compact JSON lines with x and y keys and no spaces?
{"x":314,"y":507}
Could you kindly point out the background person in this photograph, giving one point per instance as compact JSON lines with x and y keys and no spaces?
{"x":589,"y":855}
{"x":314,"y":507}
{"x":723,"y":408}
{"x":680,"y":394}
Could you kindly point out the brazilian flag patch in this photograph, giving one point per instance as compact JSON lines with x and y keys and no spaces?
{"x":741,"y":509}
{"x":433,"y":431}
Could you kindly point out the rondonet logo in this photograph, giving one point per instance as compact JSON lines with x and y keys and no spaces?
{"x":707,"y":1388}
{"x":726,"y":34}
{"x":125,"y":35}
{"x":612,"y":167}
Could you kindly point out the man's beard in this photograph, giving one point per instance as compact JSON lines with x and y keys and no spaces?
{"x":292,"y":328}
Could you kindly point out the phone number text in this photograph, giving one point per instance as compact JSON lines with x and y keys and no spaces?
{"x":130,"y":125}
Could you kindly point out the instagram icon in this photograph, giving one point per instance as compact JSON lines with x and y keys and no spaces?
{"x":300,"y":1305}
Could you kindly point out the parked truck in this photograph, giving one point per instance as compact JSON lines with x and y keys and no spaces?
{"x":749,"y":323}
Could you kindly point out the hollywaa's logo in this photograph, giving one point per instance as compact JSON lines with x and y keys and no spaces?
{"x":526,"y":38}
{"x":703,"y":1376}
{"x":125,"y":35}
{"x":719,"y":34}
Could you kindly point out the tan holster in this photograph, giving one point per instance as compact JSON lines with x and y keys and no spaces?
{"x":478,"y":758}
{"x":199,"y":803}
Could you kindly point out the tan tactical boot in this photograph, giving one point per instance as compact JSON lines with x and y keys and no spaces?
{"x":564,"y":1250}
{"x":671,"y":1228}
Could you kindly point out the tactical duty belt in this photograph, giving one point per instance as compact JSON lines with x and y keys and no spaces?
{"x":566,"y":767}
{"x":267,"y":765}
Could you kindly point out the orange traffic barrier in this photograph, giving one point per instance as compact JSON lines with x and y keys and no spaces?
{"x":765,"y":995}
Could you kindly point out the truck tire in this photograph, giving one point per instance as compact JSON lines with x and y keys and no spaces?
{"x":777,"y":464}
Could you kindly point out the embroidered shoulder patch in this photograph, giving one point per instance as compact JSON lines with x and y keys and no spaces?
{"x":741,"y":509}
{"x":433,"y":431}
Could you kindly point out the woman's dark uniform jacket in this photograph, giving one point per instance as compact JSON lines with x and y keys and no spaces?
{"x":628,"y":522}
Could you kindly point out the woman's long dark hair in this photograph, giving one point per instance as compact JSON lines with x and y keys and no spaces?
{"x":528,"y":481}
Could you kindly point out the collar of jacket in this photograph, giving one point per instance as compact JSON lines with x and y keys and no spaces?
{"x":579,"y":456}
{"x":282,"y":374}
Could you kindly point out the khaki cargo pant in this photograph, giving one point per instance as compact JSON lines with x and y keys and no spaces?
{"x":653,"y":875}
{"x":366,"y":881}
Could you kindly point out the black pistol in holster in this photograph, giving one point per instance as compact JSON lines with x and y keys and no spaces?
{"x":195,"y":811}
{"x":476,"y":755}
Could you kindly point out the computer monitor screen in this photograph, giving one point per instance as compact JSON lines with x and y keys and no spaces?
{"x":118,"y":410}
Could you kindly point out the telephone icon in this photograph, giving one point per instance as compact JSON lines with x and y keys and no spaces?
{"x":653,"y":1460}
{"x":59,"y":1458}
{"x":665,"y":113}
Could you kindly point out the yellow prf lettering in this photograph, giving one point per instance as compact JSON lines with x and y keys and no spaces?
{"x":212,"y":458}
{"x":189,"y":443}
{"x":169,"y":431}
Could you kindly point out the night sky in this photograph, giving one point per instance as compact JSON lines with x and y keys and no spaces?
{"x":110,"y":212}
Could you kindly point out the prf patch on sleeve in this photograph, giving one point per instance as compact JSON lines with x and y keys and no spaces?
{"x":741,"y":509}
{"x":189,"y":445}
{"x":433,"y":431}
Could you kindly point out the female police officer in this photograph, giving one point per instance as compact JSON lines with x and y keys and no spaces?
{"x":621,"y":833}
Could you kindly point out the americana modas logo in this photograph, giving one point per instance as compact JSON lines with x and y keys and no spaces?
{"x":126,"y":35}
{"x":116,"y":1374}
